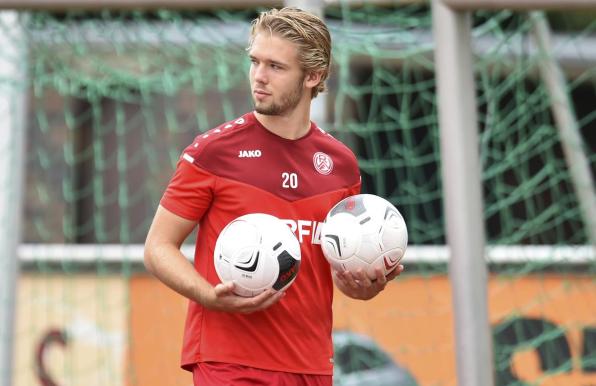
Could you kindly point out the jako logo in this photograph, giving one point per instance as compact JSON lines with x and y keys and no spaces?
{"x":249,"y":154}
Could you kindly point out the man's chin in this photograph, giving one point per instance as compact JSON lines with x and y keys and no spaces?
{"x":266,"y":110}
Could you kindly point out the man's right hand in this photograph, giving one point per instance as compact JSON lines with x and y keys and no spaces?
{"x":224,"y":299}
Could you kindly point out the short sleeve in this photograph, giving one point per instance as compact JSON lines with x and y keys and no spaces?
{"x":190,"y":191}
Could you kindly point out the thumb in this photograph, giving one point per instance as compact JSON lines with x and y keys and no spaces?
{"x":224,"y":288}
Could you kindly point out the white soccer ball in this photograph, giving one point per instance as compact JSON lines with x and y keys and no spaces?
{"x":257,"y":251}
{"x":364,"y":231}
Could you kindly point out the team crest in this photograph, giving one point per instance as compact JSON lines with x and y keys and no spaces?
{"x":323,"y":163}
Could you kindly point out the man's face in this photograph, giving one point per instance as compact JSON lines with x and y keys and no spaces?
{"x":276,"y":79}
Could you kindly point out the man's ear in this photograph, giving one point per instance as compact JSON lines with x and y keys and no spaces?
{"x":313,"y":78}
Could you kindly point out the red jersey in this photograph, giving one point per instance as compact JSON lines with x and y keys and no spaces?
{"x":238,"y":168}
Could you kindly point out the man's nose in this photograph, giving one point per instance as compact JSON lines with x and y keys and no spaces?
{"x":260,"y":72}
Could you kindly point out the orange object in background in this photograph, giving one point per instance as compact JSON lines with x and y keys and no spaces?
{"x":157,"y":317}
{"x":412,"y":320}
{"x":128,"y":331}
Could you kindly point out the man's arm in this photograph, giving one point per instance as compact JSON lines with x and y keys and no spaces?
{"x":357,"y":285}
{"x":164,"y":260}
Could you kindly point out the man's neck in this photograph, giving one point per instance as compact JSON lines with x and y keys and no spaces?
{"x":293,"y":125}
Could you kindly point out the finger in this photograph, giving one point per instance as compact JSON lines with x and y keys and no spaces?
{"x":351,"y":280}
{"x":253,"y":302}
{"x":362,"y":278}
{"x":341,"y":276}
{"x":273,"y":299}
{"x":380,"y":278}
{"x":262,"y":300}
{"x":396,"y":272}
{"x":392,"y":275}
{"x":378,"y":283}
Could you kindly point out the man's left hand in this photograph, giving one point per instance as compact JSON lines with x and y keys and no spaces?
{"x":358,"y":285}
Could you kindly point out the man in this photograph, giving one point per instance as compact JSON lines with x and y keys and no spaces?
{"x":273,"y":160}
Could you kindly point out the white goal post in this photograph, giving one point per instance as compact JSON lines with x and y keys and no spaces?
{"x":12,"y":150}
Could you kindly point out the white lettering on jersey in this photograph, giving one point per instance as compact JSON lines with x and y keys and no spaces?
{"x":289,"y":180}
{"x":249,"y":153}
{"x":303,"y":228}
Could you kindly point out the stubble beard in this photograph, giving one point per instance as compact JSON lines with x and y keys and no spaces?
{"x":288,"y":102}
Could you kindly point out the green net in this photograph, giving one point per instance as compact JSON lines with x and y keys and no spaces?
{"x":114,"y":97}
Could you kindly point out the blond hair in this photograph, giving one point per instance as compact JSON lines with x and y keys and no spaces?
{"x":305,"y":30}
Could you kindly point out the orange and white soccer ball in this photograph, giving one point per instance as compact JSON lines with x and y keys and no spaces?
{"x":257,"y":251}
{"x":366,"y":232}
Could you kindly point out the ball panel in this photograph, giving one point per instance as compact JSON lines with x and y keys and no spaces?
{"x":393,"y":237}
{"x":385,"y":262}
{"x":229,"y":252}
{"x":340,"y":236}
{"x":394,"y":233}
{"x":222,"y":268}
{"x":391,"y":259}
{"x":288,"y":269}
{"x":238,"y":234}
{"x":353,"y":205}
{"x":370,"y":247}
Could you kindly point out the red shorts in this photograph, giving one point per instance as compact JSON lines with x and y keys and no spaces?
{"x":229,"y":374}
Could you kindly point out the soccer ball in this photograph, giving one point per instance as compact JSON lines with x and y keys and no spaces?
{"x":364,"y":231}
{"x":257,"y":251}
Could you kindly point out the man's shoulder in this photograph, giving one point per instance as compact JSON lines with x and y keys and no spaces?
{"x":329,"y":142}
{"x":219,"y":136}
